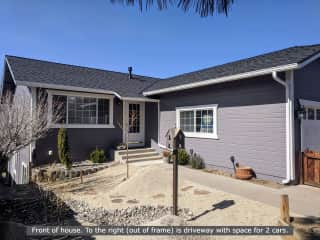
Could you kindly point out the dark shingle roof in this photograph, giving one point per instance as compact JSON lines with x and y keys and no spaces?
{"x":278,"y":58}
{"x":43,"y":72}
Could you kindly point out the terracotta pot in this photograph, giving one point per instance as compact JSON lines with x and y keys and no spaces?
{"x":244,"y":173}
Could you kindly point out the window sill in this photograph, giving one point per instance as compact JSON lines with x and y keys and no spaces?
{"x":200,"y":135}
{"x":82,"y":126}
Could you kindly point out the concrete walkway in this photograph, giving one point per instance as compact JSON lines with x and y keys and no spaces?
{"x":303,"y":200}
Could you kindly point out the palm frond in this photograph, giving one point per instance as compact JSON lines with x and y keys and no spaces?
{"x":202,"y":7}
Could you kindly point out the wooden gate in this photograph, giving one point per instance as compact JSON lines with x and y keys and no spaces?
{"x":311,"y":168}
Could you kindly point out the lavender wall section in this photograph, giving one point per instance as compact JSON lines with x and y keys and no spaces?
{"x":82,"y":140}
{"x":151,"y":123}
{"x":251,"y":124}
{"x":306,"y":86}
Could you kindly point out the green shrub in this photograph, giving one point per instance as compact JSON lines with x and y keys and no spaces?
{"x":183,"y":157}
{"x":197,"y":162}
{"x":97,"y":156}
{"x":63,"y":148}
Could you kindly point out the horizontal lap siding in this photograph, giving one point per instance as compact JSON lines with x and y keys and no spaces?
{"x":151,"y":123}
{"x":251,"y":125}
{"x":82,"y":140}
{"x":306,"y":86}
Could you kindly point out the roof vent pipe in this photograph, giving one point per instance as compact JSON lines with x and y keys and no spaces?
{"x":130,"y":72}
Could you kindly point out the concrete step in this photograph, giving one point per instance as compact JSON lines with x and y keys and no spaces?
{"x":140,"y":155}
{"x":145,"y":159}
{"x":137,"y":150}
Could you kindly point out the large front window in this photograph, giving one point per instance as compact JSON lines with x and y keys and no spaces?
{"x":82,"y":110}
{"x":199,"y":121}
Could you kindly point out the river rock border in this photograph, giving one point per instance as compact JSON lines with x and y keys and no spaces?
{"x":52,"y":174}
{"x":135,"y":215}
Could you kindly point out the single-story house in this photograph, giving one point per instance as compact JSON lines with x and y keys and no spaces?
{"x":248,"y":110}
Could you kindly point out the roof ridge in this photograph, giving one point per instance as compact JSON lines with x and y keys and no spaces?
{"x":242,"y":59}
{"x":78,"y":66}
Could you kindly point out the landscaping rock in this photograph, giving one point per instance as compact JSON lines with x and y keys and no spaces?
{"x":135,"y":215}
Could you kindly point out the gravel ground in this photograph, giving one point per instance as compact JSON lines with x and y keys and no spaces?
{"x":152,"y":185}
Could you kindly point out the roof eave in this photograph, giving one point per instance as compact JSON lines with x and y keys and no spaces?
{"x":81,"y":89}
{"x":223,"y":79}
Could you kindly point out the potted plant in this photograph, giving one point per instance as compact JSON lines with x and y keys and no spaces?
{"x":167,"y":156}
{"x":244,"y":172}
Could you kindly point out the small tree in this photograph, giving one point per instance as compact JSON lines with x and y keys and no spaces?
{"x":21,"y":126}
{"x":63,"y":148}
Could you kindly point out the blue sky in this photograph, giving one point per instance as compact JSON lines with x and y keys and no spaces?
{"x":156,"y":43}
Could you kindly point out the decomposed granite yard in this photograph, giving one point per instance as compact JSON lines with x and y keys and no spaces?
{"x":151,"y":187}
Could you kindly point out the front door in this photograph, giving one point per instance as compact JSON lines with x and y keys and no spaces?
{"x":135,"y":123}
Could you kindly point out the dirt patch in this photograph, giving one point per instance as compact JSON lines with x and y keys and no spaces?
{"x":200,"y":192}
{"x":145,"y":185}
{"x":117,"y":196}
{"x":160,"y":195}
{"x":117,"y":200}
{"x":133,"y":201}
{"x":186,"y":188}
{"x":90,"y":192}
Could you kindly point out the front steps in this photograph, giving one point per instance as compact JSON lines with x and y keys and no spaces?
{"x":139,"y":155}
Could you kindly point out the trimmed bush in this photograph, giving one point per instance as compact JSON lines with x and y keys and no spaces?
{"x":97,"y":156}
{"x":63,"y":148}
{"x":183,"y":157}
{"x":197,"y":162}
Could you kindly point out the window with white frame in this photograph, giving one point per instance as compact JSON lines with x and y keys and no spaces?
{"x":312,"y":113}
{"x":25,"y":174}
{"x":198,"y":121}
{"x":83,"y":110}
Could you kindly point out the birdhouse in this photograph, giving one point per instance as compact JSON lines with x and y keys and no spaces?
{"x":174,"y":138}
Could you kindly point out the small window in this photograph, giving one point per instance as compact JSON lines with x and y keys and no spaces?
{"x":59,"y":108}
{"x":187,"y":121}
{"x":318,"y":114}
{"x":24,"y":174}
{"x":198,"y":121}
{"x":310,"y":114}
{"x":134,"y":118}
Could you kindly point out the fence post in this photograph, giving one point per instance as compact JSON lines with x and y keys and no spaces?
{"x":175,"y":182}
{"x":284,"y":208}
{"x":301,"y":158}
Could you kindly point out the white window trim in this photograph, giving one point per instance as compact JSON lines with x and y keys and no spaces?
{"x":79,"y":94}
{"x":27,"y":175}
{"x":214,"y":107}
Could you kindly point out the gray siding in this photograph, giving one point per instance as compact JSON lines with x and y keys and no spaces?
{"x":82,"y":140}
{"x":251,"y":124}
{"x":15,"y":166}
{"x":306,"y":86}
{"x":151,"y":123}
{"x":22,"y":157}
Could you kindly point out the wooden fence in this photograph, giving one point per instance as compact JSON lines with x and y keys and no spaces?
{"x":311,"y":168}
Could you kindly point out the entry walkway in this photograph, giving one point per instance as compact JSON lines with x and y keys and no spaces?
{"x":303,"y":200}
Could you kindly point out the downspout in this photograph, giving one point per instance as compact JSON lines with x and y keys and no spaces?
{"x":289,"y":126}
